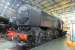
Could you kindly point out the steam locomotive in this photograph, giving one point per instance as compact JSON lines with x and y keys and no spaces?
{"x":38,"y":25}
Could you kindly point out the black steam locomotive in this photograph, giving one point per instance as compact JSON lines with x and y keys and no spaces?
{"x":40,"y":26}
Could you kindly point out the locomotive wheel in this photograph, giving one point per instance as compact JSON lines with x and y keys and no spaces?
{"x":49,"y":35}
{"x":56,"y":34}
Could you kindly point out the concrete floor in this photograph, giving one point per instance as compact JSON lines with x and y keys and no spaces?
{"x":9,"y":45}
{"x":5,"y":45}
{"x":57,"y":44}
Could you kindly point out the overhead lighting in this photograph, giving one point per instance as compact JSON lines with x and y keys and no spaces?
{"x":5,"y":7}
{"x":8,"y":3}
